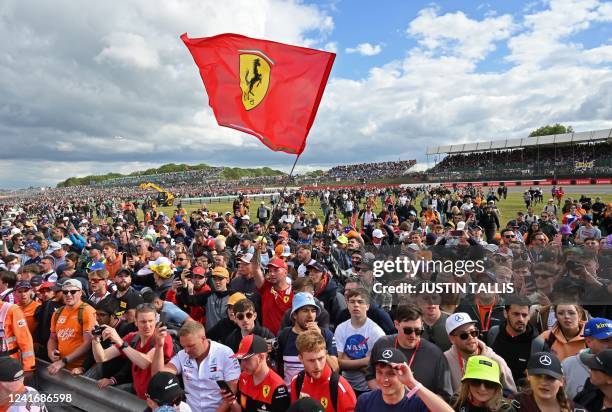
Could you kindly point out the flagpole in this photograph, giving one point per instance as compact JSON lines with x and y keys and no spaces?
{"x":290,"y":173}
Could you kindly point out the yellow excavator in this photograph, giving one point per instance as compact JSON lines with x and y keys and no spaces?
{"x":164,"y":197}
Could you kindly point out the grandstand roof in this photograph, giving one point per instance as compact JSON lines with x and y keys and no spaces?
{"x":579,"y":137}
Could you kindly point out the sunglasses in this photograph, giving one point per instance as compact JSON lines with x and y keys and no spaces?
{"x":509,"y":236}
{"x":241,"y":316}
{"x":71,"y":292}
{"x":410,"y":331}
{"x":479,"y":382}
{"x":466,"y":335}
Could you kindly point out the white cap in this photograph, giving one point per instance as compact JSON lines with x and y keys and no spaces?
{"x":457,"y":319}
{"x":15,"y":231}
{"x":245,"y":217}
{"x":65,"y":241}
{"x":377,"y":233}
{"x":461,"y":226}
{"x":53,"y":246}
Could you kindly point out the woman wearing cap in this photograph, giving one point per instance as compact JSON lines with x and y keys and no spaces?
{"x":565,"y":338}
{"x":481,"y":389}
{"x":545,"y":391}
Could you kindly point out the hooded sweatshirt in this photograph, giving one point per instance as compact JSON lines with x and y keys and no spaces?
{"x":457,"y":366}
{"x":576,"y":373}
{"x":514,"y":349}
{"x":560,"y":346}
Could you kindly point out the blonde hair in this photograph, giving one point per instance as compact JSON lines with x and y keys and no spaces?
{"x":191,"y":327}
{"x":463,"y":396}
{"x":310,"y":341}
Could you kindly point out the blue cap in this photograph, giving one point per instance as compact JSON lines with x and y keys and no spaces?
{"x":598,"y":328}
{"x":32,"y":245}
{"x":302,"y":299}
{"x":96,"y":266}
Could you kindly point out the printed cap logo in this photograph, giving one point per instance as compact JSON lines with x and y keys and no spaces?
{"x":387,"y":354}
{"x":545,"y":360}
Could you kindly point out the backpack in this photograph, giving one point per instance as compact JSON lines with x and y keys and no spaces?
{"x":333,"y":386}
{"x":59,"y":310}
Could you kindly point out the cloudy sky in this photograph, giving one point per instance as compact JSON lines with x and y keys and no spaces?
{"x":109,"y":86}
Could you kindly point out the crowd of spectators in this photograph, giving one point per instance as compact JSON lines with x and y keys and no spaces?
{"x":369,"y":171}
{"x":592,"y":159}
{"x":273,"y":302}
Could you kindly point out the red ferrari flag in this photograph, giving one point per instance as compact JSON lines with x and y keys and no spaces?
{"x":270,"y":90}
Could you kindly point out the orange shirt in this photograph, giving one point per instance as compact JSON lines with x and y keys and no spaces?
{"x":70,"y":333}
{"x":113,"y":267}
{"x":28,"y":313}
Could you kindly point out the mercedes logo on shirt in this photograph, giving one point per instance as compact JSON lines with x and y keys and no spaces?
{"x":545,"y":360}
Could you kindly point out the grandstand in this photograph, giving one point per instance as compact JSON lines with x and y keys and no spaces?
{"x":555,"y":156}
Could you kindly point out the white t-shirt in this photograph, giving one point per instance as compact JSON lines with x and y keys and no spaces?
{"x":357,"y":344}
{"x":201,"y":387}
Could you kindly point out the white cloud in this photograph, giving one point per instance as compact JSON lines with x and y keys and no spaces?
{"x":456,"y":34}
{"x":61,"y":119}
{"x":129,"y":48}
{"x":365,"y":49}
{"x":332,"y":47}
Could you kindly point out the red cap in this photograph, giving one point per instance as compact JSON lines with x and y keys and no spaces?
{"x":46,"y":285}
{"x":198,"y":270}
{"x":278,"y":262}
{"x":251,"y":345}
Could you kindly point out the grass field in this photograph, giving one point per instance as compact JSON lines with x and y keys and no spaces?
{"x":509,"y":207}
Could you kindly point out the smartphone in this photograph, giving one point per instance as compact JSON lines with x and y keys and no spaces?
{"x":224,"y":386}
{"x":162,"y":319}
{"x":456,"y":233}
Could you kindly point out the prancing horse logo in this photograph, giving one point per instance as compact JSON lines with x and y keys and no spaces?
{"x":255,"y":68}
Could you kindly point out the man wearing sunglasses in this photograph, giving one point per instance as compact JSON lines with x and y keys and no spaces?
{"x":463,"y":334}
{"x":245,"y":317}
{"x":70,"y":338}
{"x":425,"y":359}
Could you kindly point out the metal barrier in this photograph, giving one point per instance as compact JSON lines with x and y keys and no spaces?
{"x":219,"y":199}
{"x":85,"y":393}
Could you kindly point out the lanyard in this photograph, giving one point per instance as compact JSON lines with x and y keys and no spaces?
{"x":416,"y":348}
{"x":485,"y":328}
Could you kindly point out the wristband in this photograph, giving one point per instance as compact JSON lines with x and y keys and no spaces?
{"x":123,"y":346}
{"x":113,"y":380}
{"x":414,"y":390}
{"x":65,"y":361}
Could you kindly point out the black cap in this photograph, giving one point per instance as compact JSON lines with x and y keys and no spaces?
{"x":545,"y":363}
{"x":36,"y":280}
{"x":306,"y":405}
{"x":124,"y":270}
{"x":391,"y":355}
{"x":601,"y":362}
{"x":164,"y":388}
{"x":58,"y":285}
{"x":246,"y":236}
{"x":10,"y":370}
{"x":317,"y":266}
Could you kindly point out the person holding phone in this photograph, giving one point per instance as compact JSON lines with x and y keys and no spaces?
{"x":202,"y":362}
{"x":259,"y":387}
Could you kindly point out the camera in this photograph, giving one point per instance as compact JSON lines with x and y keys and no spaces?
{"x":97,"y":330}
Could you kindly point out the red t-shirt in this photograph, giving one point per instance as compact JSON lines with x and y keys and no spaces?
{"x":318,"y":389}
{"x":141,"y":377}
{"x":274,"y":304}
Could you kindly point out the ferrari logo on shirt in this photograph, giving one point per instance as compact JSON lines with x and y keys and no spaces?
{"x":324,"y":402}
{"x":286,"y":299}
{"x":266,"y":390}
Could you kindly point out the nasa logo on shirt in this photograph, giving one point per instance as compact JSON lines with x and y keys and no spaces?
{"x":356,"y":346}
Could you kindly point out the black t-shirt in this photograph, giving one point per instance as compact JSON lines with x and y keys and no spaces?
{"x":234,"y":338}
{"x":130,"y":300}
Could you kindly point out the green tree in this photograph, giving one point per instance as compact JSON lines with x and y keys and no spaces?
{"x":551,"y":129}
